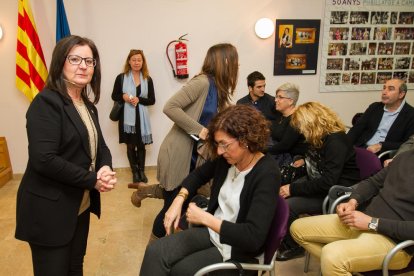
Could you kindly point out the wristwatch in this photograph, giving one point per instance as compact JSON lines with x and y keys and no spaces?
{"x":373,"y":225}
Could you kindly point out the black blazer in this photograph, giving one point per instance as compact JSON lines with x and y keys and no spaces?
{"x":57,"y":172}
{"x":400,"y":131}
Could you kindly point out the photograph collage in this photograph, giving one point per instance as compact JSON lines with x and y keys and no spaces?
{"x":368,"y":48}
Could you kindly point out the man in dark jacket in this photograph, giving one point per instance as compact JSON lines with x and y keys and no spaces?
{"x":257,"y":97}
{"x":387,"y":124}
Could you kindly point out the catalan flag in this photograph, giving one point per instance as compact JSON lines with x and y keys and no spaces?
{"x":31,"y":71}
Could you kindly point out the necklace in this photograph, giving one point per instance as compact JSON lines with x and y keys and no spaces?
{"x":90,"y":130}
{"x":237,"y":172}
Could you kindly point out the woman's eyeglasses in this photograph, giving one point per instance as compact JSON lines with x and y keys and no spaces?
{"x":281,"y":97}
{"x":77,"y":60}
{"x":223,"y":146}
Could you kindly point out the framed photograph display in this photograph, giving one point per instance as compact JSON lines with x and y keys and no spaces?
{"x":296,"y":47}
{"x":366,"y":43}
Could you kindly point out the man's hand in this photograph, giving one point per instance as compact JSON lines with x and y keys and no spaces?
{"x":346,"y":207}
{"x":349,"y":216}
{"x":356,"y":219}
{"x":374,"y":148}
{"x":387,"y":162}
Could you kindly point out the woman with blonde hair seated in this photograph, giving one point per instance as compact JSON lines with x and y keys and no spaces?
{"x":330,"y":160}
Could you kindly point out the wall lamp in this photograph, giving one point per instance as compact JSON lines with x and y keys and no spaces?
{"x":1,"y":32}
{"x":264,"y":28}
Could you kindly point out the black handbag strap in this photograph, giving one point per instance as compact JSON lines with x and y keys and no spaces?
{"x":238,"y":265}
{"x":122,"y":84}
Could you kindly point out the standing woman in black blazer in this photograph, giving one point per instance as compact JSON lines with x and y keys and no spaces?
{"x":69,"y":163}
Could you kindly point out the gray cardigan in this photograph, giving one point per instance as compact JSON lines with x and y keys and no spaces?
{"x":184,"y":109}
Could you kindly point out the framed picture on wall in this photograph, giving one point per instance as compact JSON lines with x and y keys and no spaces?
{"x":296,"y":47}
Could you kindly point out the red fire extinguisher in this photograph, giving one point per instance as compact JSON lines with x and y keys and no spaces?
{"x":181,"y":58}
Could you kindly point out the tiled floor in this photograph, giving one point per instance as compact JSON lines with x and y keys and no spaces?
{"x":116,"y":242}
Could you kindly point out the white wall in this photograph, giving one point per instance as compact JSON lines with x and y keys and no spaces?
{"x":118,"y":26}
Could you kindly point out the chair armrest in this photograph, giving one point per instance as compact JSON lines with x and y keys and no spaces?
{"x":334,"y":197}
{"x":391,"y":254}
{"x":390,"y":153}
{"x":325,"y":205}
{"x":220,"y":266}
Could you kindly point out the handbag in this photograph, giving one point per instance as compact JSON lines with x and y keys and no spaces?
{"x":116,"y":111}
{"x":117,"y":108}
{"x":290,"y":173}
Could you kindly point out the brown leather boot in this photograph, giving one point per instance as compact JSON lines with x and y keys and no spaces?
{"x":145,"y":190}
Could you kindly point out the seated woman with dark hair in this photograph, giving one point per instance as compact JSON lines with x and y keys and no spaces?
{"x":330,"y":160}
{"x":242,"y":203}
{"x":287,"y":143}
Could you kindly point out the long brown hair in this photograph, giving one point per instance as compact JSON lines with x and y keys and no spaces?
{"x":144,"y":69}
{"x":55,"y":79}
{"x":222,"y":64}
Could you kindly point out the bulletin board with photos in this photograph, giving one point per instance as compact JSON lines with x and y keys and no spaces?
{"x":366,"y":43}
{"x":296,"y":47}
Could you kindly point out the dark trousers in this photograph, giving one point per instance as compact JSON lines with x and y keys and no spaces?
{"x":299,"y":206}
{"x":63,"y":260}
{"x":158,"y":227}
{"x":183,"y":253}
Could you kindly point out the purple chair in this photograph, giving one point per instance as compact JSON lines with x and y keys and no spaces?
{"x":367,"y":162}
{"x":276,"y":233}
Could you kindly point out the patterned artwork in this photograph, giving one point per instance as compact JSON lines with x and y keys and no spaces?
{"x":365,"y":43}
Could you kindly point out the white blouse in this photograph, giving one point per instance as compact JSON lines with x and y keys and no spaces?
{"x":229,"y":206}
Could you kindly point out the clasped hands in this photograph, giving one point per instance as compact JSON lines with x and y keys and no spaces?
{"x":106,"y":179}
{"x":349,"y":216}
{"x":130,"y":99}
